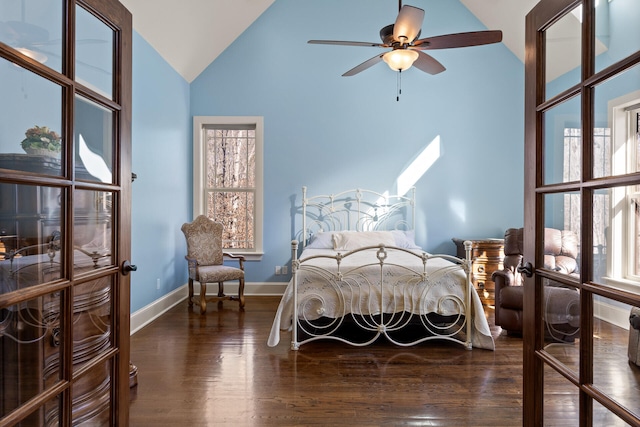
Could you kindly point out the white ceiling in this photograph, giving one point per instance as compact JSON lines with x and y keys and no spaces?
{"x":190,"y":34}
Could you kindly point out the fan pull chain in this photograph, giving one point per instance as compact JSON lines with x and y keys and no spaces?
{"x":399,"y":85}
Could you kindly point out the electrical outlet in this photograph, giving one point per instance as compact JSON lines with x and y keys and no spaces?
{"x":158,"y":284}
{"x":278,"y":270}
{"x":285,"y":269}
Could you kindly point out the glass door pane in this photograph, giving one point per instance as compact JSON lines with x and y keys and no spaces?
{"x":617,"y":31}
{"x":563,"y":53}
{"x":93,"y":141}
{"x":31,"y":129}
{"x":563,"y":142}
{"x":34,"y":28}
{"x":94,"y":53}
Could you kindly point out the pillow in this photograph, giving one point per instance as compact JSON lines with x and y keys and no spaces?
{"x":350,"y":240}
{"x":321,"y":240}
{"x":405,"y":239}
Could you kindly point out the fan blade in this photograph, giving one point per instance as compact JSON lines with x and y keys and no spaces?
{"x":345,"y":43}
{"x":366,"y":64}
{"x":408,"y":24}
{"x":428,"y":64}
{"x":473,"y":38}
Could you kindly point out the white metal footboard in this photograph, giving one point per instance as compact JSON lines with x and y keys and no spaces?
{"x":406,"y":305}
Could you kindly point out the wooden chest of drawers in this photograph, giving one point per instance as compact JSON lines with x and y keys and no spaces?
{"x":487,"y":256}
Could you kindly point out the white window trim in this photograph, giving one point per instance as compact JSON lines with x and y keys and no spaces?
{"x":199,"y":202}
{"x":618,"y":264}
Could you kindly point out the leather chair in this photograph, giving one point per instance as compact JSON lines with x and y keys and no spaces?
{"x":561,"y":303}
{"x":205,"y":258}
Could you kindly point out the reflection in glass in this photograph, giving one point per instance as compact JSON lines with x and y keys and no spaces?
{"x":617,"y":31}
{"x":562,"y":212}
{"x":562,"y":54}
{"x":614,"y":347}
{"x":91,"y":320}
{"x":30,"y":235}
{"x":34,"y":28}
{"x":96,"y":383}
{"x":93,"y":229}
{"x":561,"y":400}
{"x":30,"y":334}
{"x":32,"y":124}
{"x":561,"y":313}
{"x":560,"y":300}
{"x":563,"y":143}
{"x":93,"y":136}
{"x":94,"y":53}
{"x":617,"y":111}
{"x":603,"y":417}
{"x":602,"y":200}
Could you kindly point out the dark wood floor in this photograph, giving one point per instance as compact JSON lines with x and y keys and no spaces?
{"x":217,"y":369}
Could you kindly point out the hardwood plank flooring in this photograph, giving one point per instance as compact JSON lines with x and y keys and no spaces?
{"x":217,"y":369}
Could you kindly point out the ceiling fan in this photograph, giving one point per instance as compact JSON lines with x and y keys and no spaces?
{"x":33,"y":40}
{"x":24,"y":37}
{"x":407,"y":49}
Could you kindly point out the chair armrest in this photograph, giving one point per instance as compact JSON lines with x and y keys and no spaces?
{"x":502,"y":279}
{"x":239,"y":258}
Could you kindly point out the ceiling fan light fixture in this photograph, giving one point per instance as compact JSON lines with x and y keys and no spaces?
{"x":40,"y":57}
{"x":400,"y":59}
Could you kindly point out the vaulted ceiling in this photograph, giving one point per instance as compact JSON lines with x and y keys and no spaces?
{"x":189,"y":35}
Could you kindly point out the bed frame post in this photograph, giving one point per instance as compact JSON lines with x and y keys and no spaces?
{"x":294,"y":270}
{"x":304,"y":216}
{"x":468,"y":314}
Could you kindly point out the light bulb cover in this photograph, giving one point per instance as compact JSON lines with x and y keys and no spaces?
{"x":400,"y":59}
{"x":40,"y":57}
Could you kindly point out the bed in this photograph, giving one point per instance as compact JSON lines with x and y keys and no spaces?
{"x":357,"y":276}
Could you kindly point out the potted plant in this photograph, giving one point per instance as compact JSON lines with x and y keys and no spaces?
{"x":42,"y":141}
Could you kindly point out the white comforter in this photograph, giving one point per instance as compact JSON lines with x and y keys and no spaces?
{"x":359,"y":290}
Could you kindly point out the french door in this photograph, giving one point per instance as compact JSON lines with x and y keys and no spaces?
{"x":65,"y":187}
{"x":582,"y":140}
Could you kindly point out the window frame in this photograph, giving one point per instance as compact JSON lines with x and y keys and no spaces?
{"x":200,"y":124}
{"x":622,"y":223}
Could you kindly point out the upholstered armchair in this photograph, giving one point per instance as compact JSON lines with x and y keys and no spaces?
{"x":206,"y":261}
{"x":561,"y":303}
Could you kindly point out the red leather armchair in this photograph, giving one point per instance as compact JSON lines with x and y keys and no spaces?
{"x":561,"y":303}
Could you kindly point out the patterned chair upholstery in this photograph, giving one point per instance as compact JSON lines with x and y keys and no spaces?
{"x":205,"y":259}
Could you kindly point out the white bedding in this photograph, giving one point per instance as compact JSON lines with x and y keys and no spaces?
{"x":358,"y":291}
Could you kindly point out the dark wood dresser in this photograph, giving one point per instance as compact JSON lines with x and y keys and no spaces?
{"x":487,"y":256}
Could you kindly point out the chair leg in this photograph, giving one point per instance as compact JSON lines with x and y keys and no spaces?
{"x":220,"y":289}
{"x":190,"y":292}
{"x":203,"y":298}
{"x":241,"y":293}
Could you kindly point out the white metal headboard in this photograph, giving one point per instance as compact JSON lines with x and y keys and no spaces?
{"x":356,"y":210}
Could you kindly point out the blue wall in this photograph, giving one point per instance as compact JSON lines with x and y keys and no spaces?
{"x":162,"y":159}
{"x":332,"y":133}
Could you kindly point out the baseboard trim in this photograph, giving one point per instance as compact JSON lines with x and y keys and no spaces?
{"x":151,"y":312}
{"x":157,"y":308}
{"x":616,"y":315}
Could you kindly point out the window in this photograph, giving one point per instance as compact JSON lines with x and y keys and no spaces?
{"x":616,"y":211}
{"x":227,"y":187}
